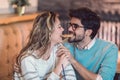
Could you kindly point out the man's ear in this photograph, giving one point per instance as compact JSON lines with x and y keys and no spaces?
{"x":88,"y":32}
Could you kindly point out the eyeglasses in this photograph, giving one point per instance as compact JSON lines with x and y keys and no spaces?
{"x":75,"y":26}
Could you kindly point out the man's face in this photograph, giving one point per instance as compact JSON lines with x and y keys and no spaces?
{"x":77,"y":29}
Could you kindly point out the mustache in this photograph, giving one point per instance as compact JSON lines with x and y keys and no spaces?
{"x":70,"y":32}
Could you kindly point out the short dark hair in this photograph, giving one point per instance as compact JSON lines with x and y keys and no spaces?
{"x":89,"y":19}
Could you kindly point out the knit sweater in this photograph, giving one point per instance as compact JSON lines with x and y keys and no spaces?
{"x":101,"y":58}
{"x":39,"y":69}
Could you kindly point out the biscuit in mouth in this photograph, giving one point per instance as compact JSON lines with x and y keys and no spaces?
{"x":67,"y":35}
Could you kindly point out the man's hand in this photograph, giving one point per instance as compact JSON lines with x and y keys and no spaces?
{"x":16,"y":68}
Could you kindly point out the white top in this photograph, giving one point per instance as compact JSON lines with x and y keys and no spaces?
{"x":90,"y":44}
{"x":39,"y":69}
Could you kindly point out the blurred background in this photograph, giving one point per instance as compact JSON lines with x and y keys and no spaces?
{"x":15,"y":26}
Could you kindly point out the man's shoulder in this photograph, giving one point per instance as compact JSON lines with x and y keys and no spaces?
{"x":106,"y":43}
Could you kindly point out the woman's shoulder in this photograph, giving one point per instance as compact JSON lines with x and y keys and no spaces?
{"x":28,"y":59}
{"x":30,"y":56}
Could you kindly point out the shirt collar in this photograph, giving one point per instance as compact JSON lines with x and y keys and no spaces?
{"x":90,"y":44}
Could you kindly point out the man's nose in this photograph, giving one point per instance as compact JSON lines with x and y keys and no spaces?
{"x":70,"y":29}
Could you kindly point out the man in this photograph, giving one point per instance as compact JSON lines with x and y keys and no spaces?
{"x":92,"y":58}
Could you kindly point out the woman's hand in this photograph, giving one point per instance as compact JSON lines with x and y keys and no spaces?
{"x":63,"y":50}
{"x":62,"y":61}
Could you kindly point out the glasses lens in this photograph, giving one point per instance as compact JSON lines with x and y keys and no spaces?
{"x":73,"y":25}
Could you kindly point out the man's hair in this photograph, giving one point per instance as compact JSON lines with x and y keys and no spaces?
{"x":88,"y":18}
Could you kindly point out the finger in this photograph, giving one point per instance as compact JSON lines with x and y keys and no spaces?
{"x":65,"y":57}
{"x":63,"y":52}
{"x":60,"y":52}
{"x":62,"y":49}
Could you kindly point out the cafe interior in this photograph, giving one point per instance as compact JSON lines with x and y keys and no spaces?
{"x":16,"y":24}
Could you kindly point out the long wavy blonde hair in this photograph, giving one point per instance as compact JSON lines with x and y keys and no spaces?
{"x":39,"y":38}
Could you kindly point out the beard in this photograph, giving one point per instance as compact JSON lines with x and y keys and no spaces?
{"x":76,"y":39}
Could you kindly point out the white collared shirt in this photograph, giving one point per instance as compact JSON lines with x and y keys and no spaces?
{"x":90,"y":44}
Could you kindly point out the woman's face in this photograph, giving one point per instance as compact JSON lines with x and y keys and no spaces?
{"x":57,"y":32}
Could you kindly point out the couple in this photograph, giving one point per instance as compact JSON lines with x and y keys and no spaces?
{"x":45,"y":57}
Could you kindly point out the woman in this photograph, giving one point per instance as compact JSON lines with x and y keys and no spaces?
{"x":38,"y":60}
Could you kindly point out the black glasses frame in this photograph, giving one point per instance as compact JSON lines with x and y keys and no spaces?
{"x":75,"y":26}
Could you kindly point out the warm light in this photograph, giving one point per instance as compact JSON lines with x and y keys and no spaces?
{"x":119,"y":57}
{"x":118,"y":64}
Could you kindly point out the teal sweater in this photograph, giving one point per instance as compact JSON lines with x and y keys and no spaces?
{"x":101,"y":58}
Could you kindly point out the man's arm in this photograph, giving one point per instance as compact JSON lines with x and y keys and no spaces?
{"x":86,"y":74}
{"x":108,"y":65}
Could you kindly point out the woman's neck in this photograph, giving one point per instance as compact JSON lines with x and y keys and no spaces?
{"x":47,"y":54}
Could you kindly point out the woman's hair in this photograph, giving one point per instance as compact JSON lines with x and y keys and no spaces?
{"x":39,"y":38}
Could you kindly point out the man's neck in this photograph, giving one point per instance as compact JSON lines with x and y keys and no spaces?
{"x":82,"y":44}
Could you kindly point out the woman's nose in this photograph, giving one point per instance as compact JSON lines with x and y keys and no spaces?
{"x":62,"y":29}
